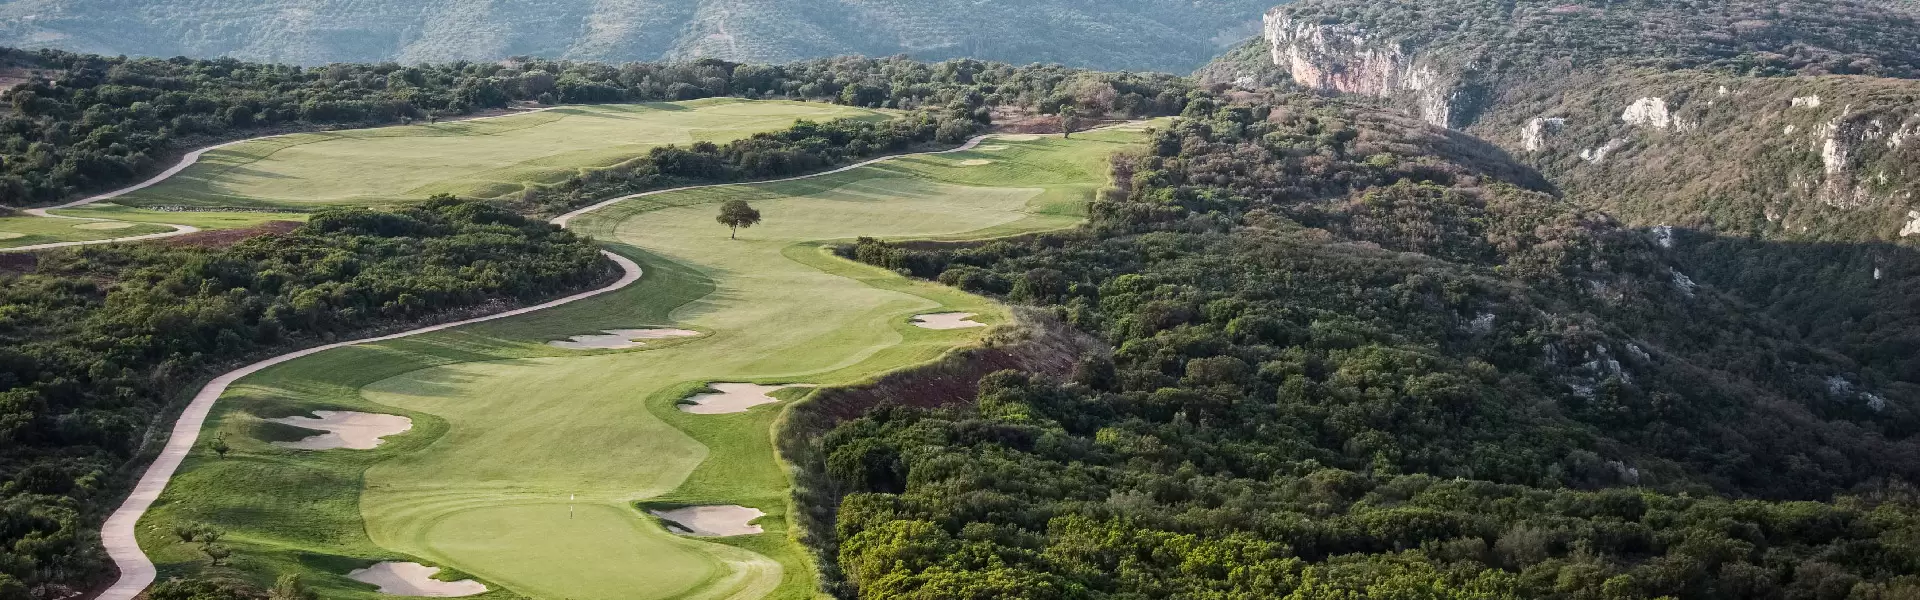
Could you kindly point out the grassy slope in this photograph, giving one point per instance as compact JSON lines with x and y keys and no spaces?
{"x":483,"y":158}
{"x":507,"y":430}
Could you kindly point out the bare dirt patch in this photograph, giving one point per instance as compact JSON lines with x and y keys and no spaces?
{"x":957,"y":320}
{"x":414,"y":579}
{"x":620,"y":339}
{"x":732,"y":398}
{"x":344,"y":429}
{"x":228,"y":237}
{"x":711,"y":521}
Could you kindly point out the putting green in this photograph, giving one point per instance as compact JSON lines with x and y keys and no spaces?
{"x":528,"y":466}
{"x":30,"y":230}
{"x":481,"y":158}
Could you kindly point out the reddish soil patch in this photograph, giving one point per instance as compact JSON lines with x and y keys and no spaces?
{"x":18,"y":262}
{"x":228,"y":237}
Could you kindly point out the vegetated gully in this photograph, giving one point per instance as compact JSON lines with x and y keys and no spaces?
{"x":137,"y":570}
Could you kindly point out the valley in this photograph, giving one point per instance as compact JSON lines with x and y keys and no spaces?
{"x":528,"y":467}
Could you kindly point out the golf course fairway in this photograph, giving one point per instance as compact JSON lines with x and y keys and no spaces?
{"x":532,"y":469}
{"x":478,"y":158}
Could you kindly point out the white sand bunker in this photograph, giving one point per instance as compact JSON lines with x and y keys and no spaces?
{"x":975,"y":162}
{"x":345,"y":429}
{"x":414,"y":579}
{"x":1019,"y":137}
{"x":954,"y":320}
{"x":104,"y":225}
{"x":620,"y":339}
{"x":732,"y":398}
{"x":8,"y":235}
{"x":992,"y":148}
{"x":711,"y":521}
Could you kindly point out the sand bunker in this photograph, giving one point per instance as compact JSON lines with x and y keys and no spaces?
{"x":104,"y":225}
{"x":955,"y":320}
{"x":619,"y":339}
{"x":732,"y":398}
{"x":345,"y":429}
{"x":975,"y":162}
{"x":711,"y":521}
{"x":992,"y":148}
{"x":8,"y":235}
{"x":1020,"y":137}
{"x":414,"y":579}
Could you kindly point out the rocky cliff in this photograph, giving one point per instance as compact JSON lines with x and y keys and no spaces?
{"x":1345,"y":58}
{"x":1707,"y":116}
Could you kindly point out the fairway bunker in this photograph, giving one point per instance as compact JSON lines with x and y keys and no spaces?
{"x":975,"y":162}
{"x":8,"y":235}
{"x":104,"y":225}
{"x":344,"y":429}
{"x":1020,"y":137}
{"x":992,"y":148}
{"x":711,"y":521}
{"x":732,"y":398}
{"x":620,"y":339}
{"x":414,"y":579}
{"x":952,"y":320}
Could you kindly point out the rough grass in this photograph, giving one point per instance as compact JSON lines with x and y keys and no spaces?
{"x":201,"y":219}
{"x":527,"y":465}
{"x":480,"y":158}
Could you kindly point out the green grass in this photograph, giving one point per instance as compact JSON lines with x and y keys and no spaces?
{"x":27,"y":230}
{"x":528,"y":466}
{"x":483,"y":158}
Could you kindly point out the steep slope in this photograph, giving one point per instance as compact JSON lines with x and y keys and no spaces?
{"x":1791,"y":120}
{"x":1129,"y":34}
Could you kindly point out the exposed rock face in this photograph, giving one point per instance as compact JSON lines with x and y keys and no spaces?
{"x":1652,"y":112}
{"x":1533,"y":138}
{"x":1343,"y":58}
{"x":1913,"y":224}
{"x":1806,"y":101}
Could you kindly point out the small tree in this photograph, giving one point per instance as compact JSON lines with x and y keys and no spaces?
{"x":219,"y":446}
{"x":1067,"y":114}
{"x":216,"y":553}
{"x":736,"y":214}
{"x":187,"y":532}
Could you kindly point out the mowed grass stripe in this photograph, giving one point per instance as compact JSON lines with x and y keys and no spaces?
{"x":528,"y":466}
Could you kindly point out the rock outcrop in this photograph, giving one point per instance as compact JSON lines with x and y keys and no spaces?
{"x":1344,"y":58}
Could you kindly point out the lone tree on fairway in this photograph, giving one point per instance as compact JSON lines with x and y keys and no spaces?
{"x":737,"y":214}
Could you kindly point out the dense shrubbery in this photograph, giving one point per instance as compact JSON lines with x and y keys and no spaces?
{"x":1358,"y":357}
{"x":91,"y":122}
{"x":98,"y":340}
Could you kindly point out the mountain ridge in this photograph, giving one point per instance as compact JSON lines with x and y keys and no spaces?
{"x":1134,"y":34}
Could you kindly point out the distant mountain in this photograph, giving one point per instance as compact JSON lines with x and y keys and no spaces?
{"x":1174,"y":35}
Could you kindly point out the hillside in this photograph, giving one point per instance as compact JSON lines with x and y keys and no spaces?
{"x":1357,"y":356}
{"x":1128,"y":34}
{"x":1791,"y":120}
